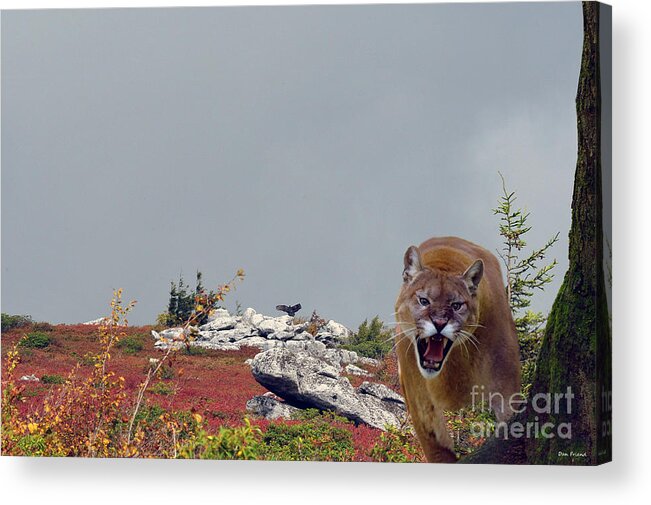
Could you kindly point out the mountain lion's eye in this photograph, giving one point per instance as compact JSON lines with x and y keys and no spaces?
{"x":423,"y":301}
{"x":457,"y":305}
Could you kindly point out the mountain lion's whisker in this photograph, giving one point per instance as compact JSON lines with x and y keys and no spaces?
{"x":469,"y":337}
{"x":463,"y":344}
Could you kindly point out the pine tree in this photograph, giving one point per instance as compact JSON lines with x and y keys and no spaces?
{"x":523,"y":274}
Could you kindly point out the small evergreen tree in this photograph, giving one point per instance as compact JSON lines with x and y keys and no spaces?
{"x":372,"y":339}
{"x":181,"y":304}
{"x":172,"y":305}
{"x":523,"y":273}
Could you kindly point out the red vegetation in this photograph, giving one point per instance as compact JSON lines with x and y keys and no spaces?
{"x":214,"y":384}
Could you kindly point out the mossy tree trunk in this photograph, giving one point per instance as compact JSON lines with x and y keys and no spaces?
{"x":576,"y":345}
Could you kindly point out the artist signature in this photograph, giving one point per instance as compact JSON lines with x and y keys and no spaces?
{"x":572,"y":454}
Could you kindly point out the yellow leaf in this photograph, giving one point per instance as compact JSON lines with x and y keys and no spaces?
{"x":198,"y":418}
{"x":32,"y":427}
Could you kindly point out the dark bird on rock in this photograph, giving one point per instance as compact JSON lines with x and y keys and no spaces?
{"x":289,"y":309}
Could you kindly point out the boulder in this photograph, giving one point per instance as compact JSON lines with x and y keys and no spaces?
{"x":94,"y":322}
{"x":390,"y":400}
{"x":304,"y":380}
{"x":268,"y":407}
{"x":282,"y":335}
{"x":368,"y":361}
{"x":250,"y":317}
{"x":380,"y":391}
{"x":219,"y":324}
{"x":217,"y":314}
{"x":328,"y":339}
{"x":355,"y":370}
{"x":302,"y":335}
{"x":169,"y":333}
{"x":314,"y":347}
{"x":217,"y":345}
{"x":338,"y":330}
{"x":272,"y":326}
{"x":340,"y":356}
{"x":259,"y":342}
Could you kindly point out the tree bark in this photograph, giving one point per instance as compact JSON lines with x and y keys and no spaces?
{"x":575,"y":352}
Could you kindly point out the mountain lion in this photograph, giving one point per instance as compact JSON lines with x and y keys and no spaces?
{"x":455,"y":331}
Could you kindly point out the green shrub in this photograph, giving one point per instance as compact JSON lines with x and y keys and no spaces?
{"x":36,"y":340}
{"x":241,"y":442}
{"x":149,"y":413}
{"x":313,"y":440}
{"x":470,"y":427}
{"x":42,"y":327}
{"x":88,"y":359}
{"x":309,"y":414}
{"x":53,"y":379}
{"x":131,"y":344}
{"x":194,"y":351}
{"x":166,"y":372}
{"x":396,"y":445}
{"x":161,"y":388}
{"x":32,"y":445}
{"x":9,"y":321}
{"x":372,"y":339}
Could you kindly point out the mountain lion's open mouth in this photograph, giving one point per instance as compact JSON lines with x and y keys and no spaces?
{"x":432,"y":351}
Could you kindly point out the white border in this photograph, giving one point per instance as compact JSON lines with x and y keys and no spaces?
{"x":49,"y":481}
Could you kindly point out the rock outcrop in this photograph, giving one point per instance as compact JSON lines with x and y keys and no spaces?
{"x":302,"y":369}
{"x":224,"y":331}
{"x":305,"y":380}
{"x":268,"y":407}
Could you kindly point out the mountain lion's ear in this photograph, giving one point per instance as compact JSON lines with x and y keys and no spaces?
{"x":473,"y":275}
{"x":412,"y":264}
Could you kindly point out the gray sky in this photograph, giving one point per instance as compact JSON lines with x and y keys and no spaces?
{"x":308,"y":145}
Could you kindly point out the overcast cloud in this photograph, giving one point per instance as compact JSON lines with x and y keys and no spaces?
{"x":308,"y":145}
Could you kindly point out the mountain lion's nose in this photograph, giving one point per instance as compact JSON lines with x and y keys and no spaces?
{"x":439,"y":324}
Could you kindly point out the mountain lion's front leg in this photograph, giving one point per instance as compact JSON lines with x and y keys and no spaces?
{"x":433,"y":436}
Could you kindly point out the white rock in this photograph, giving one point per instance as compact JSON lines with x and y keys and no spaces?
{"x":259,"y":342}
{"x":246,"y":329}
{"x":232,"y":335}
{"x":220,"y":323}
{"x":368,"y":361}
{"x":218,"y":314}
{"x":30,"y":378}
{"x":303,"y":379}
{"x":268,"y":407}
{"x":348,"y":356}
{"x":171,"y":333}
{"x":355,"y":370}
{"x":273,"y":325}
{"x":98,"y":321}
{"x":270,"y":344}
{"x":283,"y":335}
{"x":250,"y":317}
{"x":337,"y":329}
{"x":303,"y":335}
{"x":315,"y":348}
{"x":218,"y":337}
{"x":217,"y":346}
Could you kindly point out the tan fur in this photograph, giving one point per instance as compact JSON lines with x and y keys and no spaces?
{"x":494,"y":363}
